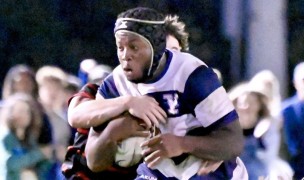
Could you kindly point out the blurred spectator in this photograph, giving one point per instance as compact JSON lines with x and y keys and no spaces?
{"x":267,"y":83}
{"x":21,"y":79}
{"x":297,"y":83}
{"x":98,"y":73}
{"x":22,"y":157}
{"x":52,"y":83}
{"x":90,"y":71}
{"x":260,"y":129}
{"x":256,"y":121}
{"x":85,"y":67}
{"x":293,"y":126}
{"x":252,"y":109}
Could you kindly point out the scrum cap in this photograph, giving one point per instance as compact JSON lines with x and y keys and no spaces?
{"x":149,"y":24}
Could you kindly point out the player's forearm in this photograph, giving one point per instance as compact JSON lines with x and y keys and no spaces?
{"x":93,"y":113}
{"x":223,"y":144}
{"x":100,"y":151}
{"x":74,"y":119}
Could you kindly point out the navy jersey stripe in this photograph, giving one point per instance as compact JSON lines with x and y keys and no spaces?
{"x":108,"y":88}
{"x":200,"y":84}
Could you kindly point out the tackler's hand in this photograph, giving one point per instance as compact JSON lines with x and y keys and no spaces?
{"x":160,"y":147}
{"x":126,"y":126}
{"x":147,"y":109}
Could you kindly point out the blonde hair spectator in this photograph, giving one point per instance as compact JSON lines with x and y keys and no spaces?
{"x":267,"y":83}
{"x":50,"y":72}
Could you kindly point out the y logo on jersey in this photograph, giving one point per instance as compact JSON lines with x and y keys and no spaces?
{"x":172,"y":102}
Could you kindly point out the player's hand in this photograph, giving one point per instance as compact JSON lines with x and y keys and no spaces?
{"x":160,"y":147}
{"x":147,"y":109}
{"x":126,"y":126}
{"x":208,"y":166}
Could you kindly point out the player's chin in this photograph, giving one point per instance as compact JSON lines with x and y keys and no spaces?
{"x":133,"y":78}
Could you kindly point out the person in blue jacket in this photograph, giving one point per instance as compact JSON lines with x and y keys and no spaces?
{"x":293,"y":127}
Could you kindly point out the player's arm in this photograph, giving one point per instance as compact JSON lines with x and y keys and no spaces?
{"x":86,"y":113}
{"x":223,"y":143}
{"x":97,"y":143}
{"x":98,"y":111}
{"x":87,"y":93}
{"x":102,"y":145}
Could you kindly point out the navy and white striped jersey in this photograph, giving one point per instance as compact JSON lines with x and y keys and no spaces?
{"x":188,"y":90}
